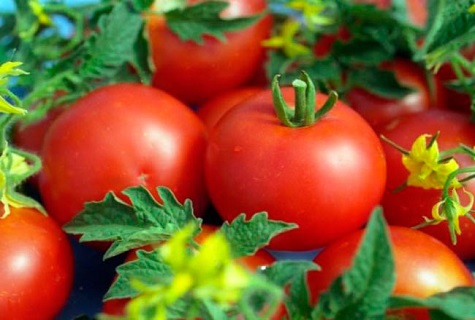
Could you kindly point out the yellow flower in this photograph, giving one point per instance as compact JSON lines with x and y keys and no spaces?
{"x":451,"y":209}
{"x":313,"y":12}
{"x":39,"y":12}
{"x":285,"y":40}
{"x":209,"y":273}
{"x":424,"y":166}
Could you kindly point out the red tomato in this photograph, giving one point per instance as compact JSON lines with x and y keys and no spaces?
{"x":378,"y":110}
{"x":196,"y":72}
{"x":37,"y":266}
{"x":408,"y":206}
{"x":261,"y":259}
{"x":424,"y":266}
{"x":119,"y":136}
{"x":326,"y":177}
{"x":212,"y":110}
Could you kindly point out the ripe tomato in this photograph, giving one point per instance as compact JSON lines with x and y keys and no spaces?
{"x":408,"y":206}
{"x":378,"y":110}
{"x":261,"y":259}
{"x":326,"y":177}
{"x":37,"y":266}
{"x":120,"y":136}
{"x":424,"y":266}
{"x":212,"y":110}
{"x":196,"y":72}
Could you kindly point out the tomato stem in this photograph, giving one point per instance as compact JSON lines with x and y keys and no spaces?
{"x":300,"y":100}
{"x":303,"y":114}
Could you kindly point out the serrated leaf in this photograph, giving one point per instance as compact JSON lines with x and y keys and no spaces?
{"x":113,"y":45}
{"x":450,"y":27}
{"x":293,"y":273}
{"x":246,"y":237}
{"x":380,"y":82}
{"x":459,"y":303}
{"x":193,"y":22}
{"x":147,"y":268}
{"x":143,"y":222}
{"x":363,"y":291}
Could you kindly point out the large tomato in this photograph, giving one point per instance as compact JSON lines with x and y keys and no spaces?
{"x":36,"y":266}
{"x":408,"y":206}
{"x":195,"y":72}
{"x":120,"y":136}
{"x":326,"y":177}
{"x":378,"y":110}
{"x":424,"y":266}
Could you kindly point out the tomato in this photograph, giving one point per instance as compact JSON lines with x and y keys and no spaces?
{"x":212,"y":110}
{"x":326,"y":177}
{"x":37,"y":266}
{"x":260,"y":259}
{"x":378,"y":110}
{"x":408,"y":206}
{"x":424,"y":266}
{"x":119,"y":136}
{"x":196,"y":72}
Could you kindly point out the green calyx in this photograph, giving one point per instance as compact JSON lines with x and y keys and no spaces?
{"x":303,"y":114}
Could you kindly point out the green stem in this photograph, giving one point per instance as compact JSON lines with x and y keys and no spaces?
{"x":304,"y":113}
{"x":300,"y":101}
{"x":395,"y":145}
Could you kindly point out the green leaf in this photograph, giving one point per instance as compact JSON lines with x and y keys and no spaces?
{"x":147,"y":268}
{"x":455,"y":304}
{"x":364,"y":52}
{"x":450,"y":27}
{"x":294,"y":274}
{"x":104,"y":57}
{"x":363,"y":291}
{"x":193,"y":22}
{"x":379,"y":82}
{"x":143,"y":222}
{"x":246,"y":237}
{"x":114,"y":44}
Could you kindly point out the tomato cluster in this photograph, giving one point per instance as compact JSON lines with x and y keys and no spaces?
{"x":206,"y":130}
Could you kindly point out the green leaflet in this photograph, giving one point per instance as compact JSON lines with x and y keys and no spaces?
{"x":363,"y":291}
{"x":246,"y":237}
{"x":193,"y":22}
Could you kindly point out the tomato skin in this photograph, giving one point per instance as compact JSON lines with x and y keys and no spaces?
{"x":424,"y":266}
{"x":37,"y":266}
{"x":379,"y":111}
{"x":254,"y":163}
{"x":194,"y":73}
{"x":408,"y":206}
{"x":212,"y":110}
{"x":119,"y":136}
